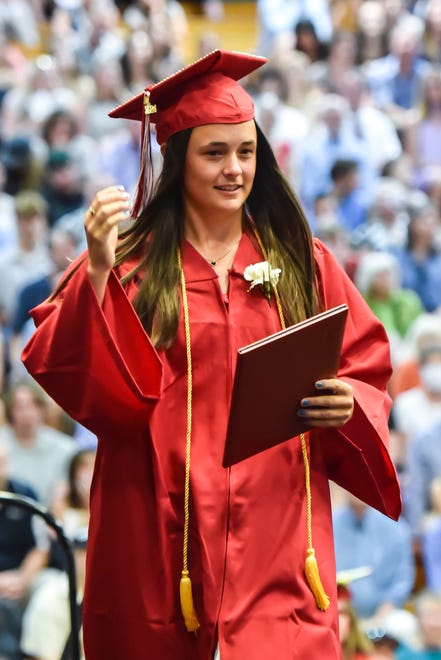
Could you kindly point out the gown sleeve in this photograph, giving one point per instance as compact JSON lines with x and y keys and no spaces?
{"x":356,"y":455}
{"x":95,"y":361}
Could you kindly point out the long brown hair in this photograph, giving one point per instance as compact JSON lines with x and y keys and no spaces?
{"x":154,"y":237}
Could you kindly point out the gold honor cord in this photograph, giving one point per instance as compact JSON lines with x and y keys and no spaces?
{"x":185,"y":590}
{"x":311,"y":567}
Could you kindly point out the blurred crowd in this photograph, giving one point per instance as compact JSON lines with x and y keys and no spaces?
{"x":351,"y":103}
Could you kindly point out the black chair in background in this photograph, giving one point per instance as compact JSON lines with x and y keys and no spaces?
{"x":11,"y":499}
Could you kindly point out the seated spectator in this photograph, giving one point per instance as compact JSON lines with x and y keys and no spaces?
{"x":20,"y":20}
{"x":71,"y":504}
{"x":118,"y":157}
{"x":428,"y":614}
{"x":73,"y":221}
{"x":328,"y":74}
{"x":352,"y":205}
{"x":423,"y":466}
{"x":395,"y":79}
{"x":431,"y":539}
{"x":378,"y":279}
{"x":62,"y":250}
{"x":369,"y":123}
{"x":371,"y":31}
{"x":166,"y":24}
{"x":365,"y":537}
{"x":424,"y":332}
{"x":400,"y":168}
{"x":8,"y":221}
{"x":276,"y":17}
{"x":285,"y":127}
{"x":213,"y":10}
{"x":308,"y":42}
{"x":355,"y":644}
{"x":23,"y":554}
{"x":27,"y":259}
{"x":61,"y":132}
{"x":398,"y":629}
{"x":38,"y":455}
{"x":431,"y":14}
{"x":421,"y":405}
{"x":62,"y":186}
{"x":46,"y":620}
{"x":323,"y":212}
{"x":332,"y":138}
{"x":137,"y":60}
{"x":301,"y":90}
{"x":27,"y":103}
{"x":420,"y":257}
{"x":431,"y":184}
{"x":386,"y":227}
{"x":330,"y":230}
{"x":109,"y":91}
{"x":422,"y":138}
{"x":20,"y":165}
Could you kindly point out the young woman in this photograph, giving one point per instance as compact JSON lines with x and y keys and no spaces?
{"x":139,"y":344}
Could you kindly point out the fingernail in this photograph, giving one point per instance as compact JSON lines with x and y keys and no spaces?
{"x":305,"y":402}
{"x":319,"y":384}
{"x":121,"y":188}
{"x":301,"y":413}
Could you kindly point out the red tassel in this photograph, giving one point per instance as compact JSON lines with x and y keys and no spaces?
{"x":146,"y":176}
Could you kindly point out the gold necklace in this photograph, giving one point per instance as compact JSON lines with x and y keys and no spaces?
{"x":213,"y":262}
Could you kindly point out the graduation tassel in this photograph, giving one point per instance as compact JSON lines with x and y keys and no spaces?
{"x":187,"y":606}
{"x":311,"y":567}
{"x":313,"y":578}
{"x":146,"y":175}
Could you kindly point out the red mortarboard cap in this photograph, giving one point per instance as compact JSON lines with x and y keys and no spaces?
{"x":205,"y":92}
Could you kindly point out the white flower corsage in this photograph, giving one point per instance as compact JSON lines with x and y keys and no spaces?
{"x":264,"y":276}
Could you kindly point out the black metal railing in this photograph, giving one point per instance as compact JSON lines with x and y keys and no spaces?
{"x":11,"y":499}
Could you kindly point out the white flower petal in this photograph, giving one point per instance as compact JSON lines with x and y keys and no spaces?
{"x":260,"y":273}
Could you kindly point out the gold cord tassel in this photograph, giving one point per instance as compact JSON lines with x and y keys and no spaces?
{"x":311,"y":568}
{"x":313,"y":578}
{"x":187,"y":606}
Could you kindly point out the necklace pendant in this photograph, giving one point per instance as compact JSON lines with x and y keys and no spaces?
{"x":213,"y":263}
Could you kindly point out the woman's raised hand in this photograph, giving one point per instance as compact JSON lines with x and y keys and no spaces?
{"x":333,"y":405}
{"x":108,"y":209}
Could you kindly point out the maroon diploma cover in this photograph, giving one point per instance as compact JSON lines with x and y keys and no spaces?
{"x":273,"y":375}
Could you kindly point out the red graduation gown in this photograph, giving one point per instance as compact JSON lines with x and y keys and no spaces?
{"x":247,"y":523}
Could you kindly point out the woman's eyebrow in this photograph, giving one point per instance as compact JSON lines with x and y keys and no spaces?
{"x":219,"y":143}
